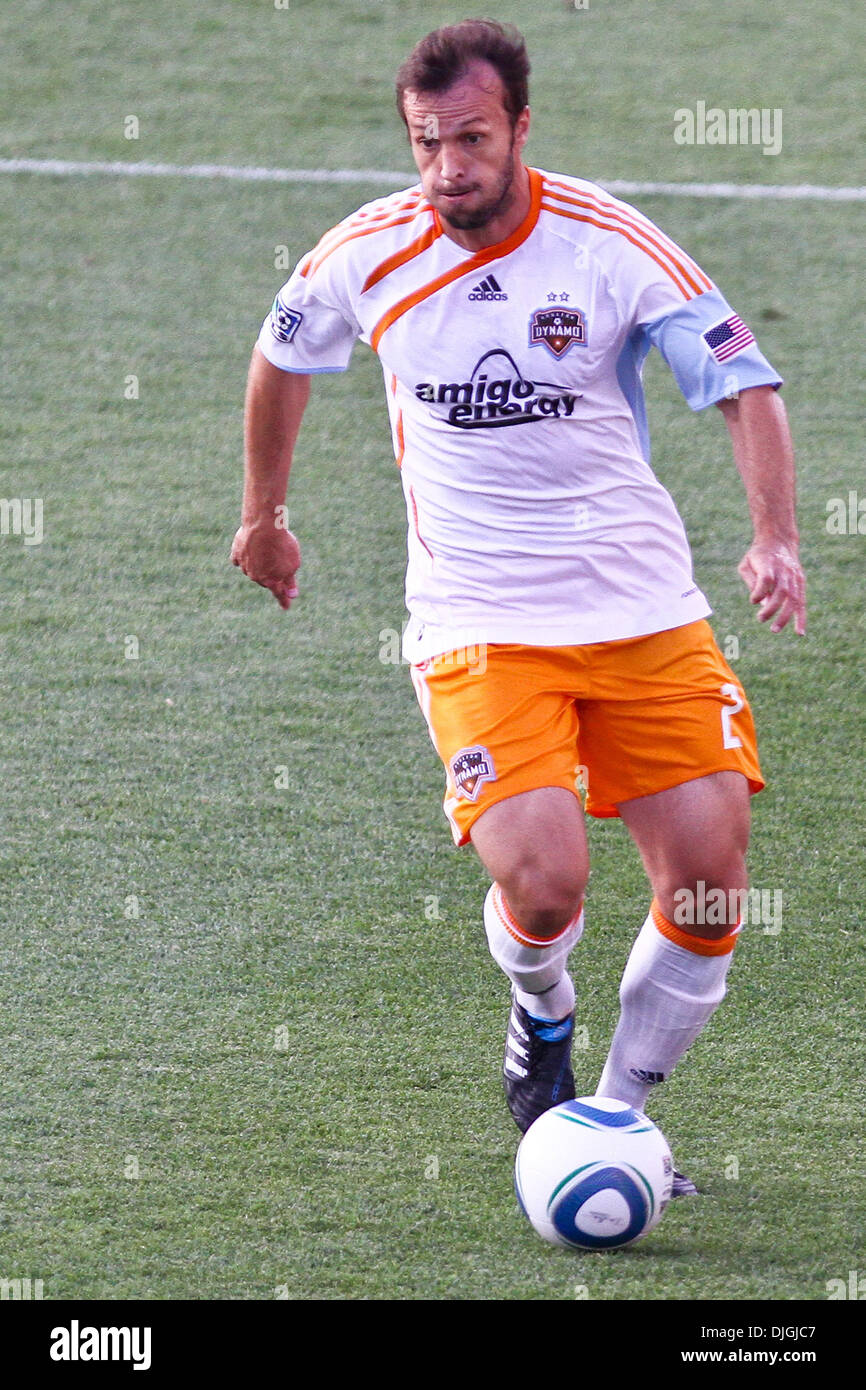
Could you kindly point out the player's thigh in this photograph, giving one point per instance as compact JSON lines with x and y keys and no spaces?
{"x":695,"y":832}
{"x":666,"y":710}
{"x":534,"y":845}
{"x":693,"y":840}
{"x":503,"y":722}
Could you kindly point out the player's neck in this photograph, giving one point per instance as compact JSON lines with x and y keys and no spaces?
{"x":503,"y":225}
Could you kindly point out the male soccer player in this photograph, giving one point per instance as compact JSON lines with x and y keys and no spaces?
{"x":557,"y":635}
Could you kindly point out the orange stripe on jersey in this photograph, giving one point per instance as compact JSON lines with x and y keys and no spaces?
{"x":698,"y":945}
{"x":393,"y":208}
{"x":399,"y":258}
{"x":475,"y":262}
{"x":387,"y":207}
{"x":377,"y":221}
{"x":607,"y":227}
{"x":631,"y":218}
{"x":366,"y":229}
{"x":579,"y":198}
{"x":405,"y":198}
{"x":416,"y":524}
{"x":401,"y":442}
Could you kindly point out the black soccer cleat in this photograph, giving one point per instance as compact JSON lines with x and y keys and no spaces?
{"x":683,"y":1186}
{"x":537,"y":1070}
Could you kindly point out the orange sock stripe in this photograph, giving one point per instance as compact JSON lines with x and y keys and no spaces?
{"x":698,"y":945}
{"x":514,"y":928}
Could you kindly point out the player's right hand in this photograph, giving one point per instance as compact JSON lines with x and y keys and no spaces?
{"x":269,"y":555}
{"x":774,"y":577}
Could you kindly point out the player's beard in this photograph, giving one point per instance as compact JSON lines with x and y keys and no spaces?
{"x":489,"y":211}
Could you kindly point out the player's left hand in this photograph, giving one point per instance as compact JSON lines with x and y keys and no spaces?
{"x":774,"y":577}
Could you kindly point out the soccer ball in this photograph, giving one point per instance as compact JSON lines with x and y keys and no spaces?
{"x":593,"y":1174}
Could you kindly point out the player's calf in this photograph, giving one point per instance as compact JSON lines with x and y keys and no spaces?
{"x":534,"y":846}
{"x":536,"y":1069}
{"x":672,"y":985}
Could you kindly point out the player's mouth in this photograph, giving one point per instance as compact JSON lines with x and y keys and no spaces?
{"x":455,"y":192}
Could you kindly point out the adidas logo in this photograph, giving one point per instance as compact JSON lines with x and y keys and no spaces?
{"x":488,"y":289}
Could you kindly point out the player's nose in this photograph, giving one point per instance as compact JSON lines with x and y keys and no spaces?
{"x":451,"y":165}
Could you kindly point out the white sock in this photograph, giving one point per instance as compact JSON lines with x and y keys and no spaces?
{"x":535,"y":965}
{"x":671,"y":986}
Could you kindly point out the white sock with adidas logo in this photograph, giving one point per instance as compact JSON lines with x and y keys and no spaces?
{"x":671,"y":986}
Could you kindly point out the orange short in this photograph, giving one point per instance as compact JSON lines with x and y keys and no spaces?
{"x":609,"y":720}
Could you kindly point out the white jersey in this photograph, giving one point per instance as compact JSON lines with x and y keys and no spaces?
{"x":513,"y":378}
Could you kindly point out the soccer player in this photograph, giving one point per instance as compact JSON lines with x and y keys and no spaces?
{"x":557,"y":639}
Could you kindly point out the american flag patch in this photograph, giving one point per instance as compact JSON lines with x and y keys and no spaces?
{"x":727,"y":338}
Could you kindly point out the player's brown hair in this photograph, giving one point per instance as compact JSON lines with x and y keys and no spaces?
{"x":443,"y":57}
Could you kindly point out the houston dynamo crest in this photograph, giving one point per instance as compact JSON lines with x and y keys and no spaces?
{"x":470,"y":769}
{"x":557,"y":329}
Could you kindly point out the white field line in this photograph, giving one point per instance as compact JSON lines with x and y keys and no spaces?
{"x":239,"y":173}
{"x":400,"y":179}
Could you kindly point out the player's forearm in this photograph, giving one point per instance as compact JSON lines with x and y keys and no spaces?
{"x":275,"y":404}
{"x":764,"y":455}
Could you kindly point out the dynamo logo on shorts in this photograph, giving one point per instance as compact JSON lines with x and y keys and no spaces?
{"x":284,"y":321}
{"x":470,"y":769}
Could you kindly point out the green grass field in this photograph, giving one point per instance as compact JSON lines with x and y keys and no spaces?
{"x":251,"y":1033}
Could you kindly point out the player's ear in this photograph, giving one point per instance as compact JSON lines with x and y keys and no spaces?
{"x":521,"y":128}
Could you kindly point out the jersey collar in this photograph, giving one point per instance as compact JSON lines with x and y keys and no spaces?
{"x":518,"y":236}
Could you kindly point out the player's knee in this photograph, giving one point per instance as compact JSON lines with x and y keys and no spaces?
{"x":709,"y":903}
{"x":543,"y":901}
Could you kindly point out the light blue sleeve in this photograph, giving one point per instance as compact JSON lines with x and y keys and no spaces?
{"x":703,"y":380}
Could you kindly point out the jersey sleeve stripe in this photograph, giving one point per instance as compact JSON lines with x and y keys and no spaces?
{"x":467,"y":267}
{"x":610,"y":207}
{"x":359,"y":226}
{"x":620,"y":209}
{"x":368,"y":219}
{"x":378,"y":212}
{"x":408,"y":253}
{"x":319,"y":257}
{"x":686,"y":267}
{"x":608,"y":227}
{"x":396,"y":202}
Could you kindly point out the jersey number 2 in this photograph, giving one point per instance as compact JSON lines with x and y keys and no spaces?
{"x":729,"y":738}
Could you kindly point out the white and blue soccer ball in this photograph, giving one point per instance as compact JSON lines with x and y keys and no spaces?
{"x":593,"y":1174}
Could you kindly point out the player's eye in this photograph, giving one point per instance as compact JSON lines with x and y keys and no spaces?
{"x":473,"y":138}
